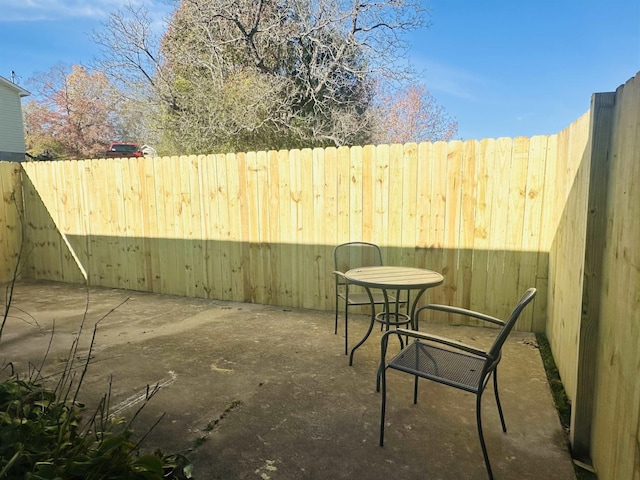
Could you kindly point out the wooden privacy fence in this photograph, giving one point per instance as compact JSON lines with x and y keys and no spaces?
{"x":494,"y":216}
{"x":606,"y":414}
{"x":261,"y":227}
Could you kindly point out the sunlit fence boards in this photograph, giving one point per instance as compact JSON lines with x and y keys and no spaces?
{"x":260,"y":227}
{"x":616,"y":416}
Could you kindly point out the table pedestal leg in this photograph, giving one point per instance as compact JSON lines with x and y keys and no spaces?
{"x":366,"y":335}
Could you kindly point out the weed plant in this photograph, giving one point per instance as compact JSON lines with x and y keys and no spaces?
{"x":43,"y":434}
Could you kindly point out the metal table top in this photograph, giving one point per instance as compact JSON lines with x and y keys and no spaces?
{"x":390,"y":278}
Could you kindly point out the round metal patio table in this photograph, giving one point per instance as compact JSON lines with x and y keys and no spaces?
{"x":388,"y":278}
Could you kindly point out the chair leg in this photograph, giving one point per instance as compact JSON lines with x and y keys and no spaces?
{"x":415,"y":378}
{"x":346,"y":329}
{"x":482,"y":444}
{"x":383,"y":378}
{"x":335,"y":326}
{"x":495,"y":389}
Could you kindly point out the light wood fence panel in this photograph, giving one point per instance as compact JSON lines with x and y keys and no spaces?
{"x":616,"y":423}
{"x":481,"y":247}
{"x":567,"y":199}
{"x":210,"y":192}
{"x":436,"y":240}
{"x":10,"y":219}
{"x":261,"y":227}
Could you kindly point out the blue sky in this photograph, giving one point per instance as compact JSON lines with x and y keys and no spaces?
{"x":499,"y":67}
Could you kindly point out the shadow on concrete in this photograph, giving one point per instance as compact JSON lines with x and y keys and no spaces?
{"x":254,"y":391}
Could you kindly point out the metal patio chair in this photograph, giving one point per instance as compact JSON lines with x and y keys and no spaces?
{"x":451,"y":363}
{"x":346,"y":257}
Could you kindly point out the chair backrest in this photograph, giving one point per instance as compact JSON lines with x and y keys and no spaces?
{"x":513,"y":318}
{"x":356,"y":254}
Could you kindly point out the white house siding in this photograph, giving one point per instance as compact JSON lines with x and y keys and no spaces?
{"x":12,"y":146}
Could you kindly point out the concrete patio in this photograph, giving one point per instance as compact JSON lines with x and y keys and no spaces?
{"x":253,"y":391}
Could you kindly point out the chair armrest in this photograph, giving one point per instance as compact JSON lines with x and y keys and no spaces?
{"x":341,"y":279}
{"x":445,"y":341}
{"x":463,"y":312}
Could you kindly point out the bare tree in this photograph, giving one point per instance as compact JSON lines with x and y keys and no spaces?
{"x":132,"y":60}
{"x":258,"y":74}
{"x":321,"y":60}
{"x":411,"y":114}
{"x":131,"y":52}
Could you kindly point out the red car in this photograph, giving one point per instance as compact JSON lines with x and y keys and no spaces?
{"x":124,"y":150}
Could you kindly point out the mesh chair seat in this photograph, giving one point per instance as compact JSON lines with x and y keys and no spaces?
{"x":441,"y":365}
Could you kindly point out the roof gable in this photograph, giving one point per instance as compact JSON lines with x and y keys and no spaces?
{"x":12,"y":86}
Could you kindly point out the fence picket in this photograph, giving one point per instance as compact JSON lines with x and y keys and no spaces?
{"x":261,"y":226}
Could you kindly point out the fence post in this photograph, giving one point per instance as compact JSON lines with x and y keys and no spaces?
{"x":602,"y":112}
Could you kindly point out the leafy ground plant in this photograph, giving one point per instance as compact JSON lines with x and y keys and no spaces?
{"x":41,"y":438}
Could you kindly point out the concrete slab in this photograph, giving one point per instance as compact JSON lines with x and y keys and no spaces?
{"x":253,"y":391}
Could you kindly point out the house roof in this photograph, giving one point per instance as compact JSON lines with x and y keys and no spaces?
{"x":21,"y":91}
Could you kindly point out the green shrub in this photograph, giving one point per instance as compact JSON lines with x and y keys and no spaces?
{"x":42,"y":437}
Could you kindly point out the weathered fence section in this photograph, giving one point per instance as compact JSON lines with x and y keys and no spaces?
{"x":261,"y":226}
{"x":10,"y":221}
